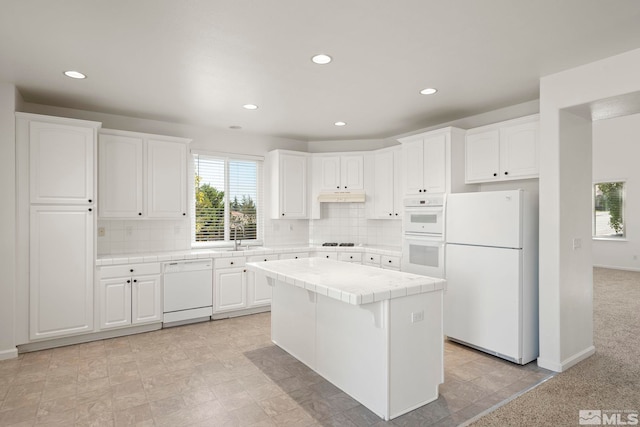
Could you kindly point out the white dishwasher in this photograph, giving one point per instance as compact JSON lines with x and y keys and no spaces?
{"x":188,"y":291}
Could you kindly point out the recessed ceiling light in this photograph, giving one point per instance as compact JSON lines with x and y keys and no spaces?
{"x":340,"y":123}
{"x":234,"y":127}
{"x":75,"y":74}
{"x":428,"y":91}
{"x":250,"y":106}
{"x":321,"y":59}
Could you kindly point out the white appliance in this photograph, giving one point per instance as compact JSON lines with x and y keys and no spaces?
{"x":423,"y":239}
{"x":491,"y":301}
{"x":187,"y":291}
{"x":424,"y":215}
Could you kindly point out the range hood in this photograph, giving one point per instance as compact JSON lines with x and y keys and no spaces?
{"x":341,"y":197}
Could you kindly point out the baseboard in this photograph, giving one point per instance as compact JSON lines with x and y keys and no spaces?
{"x":567,"y":363}
{"x":9,"y":354}
{"x":615,"y":267}
{"x":79,"y":339}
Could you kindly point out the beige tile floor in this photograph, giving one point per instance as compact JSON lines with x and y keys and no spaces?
{"x":223,"y":373}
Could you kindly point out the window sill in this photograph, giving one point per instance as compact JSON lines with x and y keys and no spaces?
{"x":611,"y":239}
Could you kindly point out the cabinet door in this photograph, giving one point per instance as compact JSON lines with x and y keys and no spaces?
{"x":330,"y":173}
{"x":61,"y":163}
{"x":383,"y":196}
{"x":352,"y":172}
{"x":115,"y":302}
{"x":61,"y":271}
{"x":146,"y":301}
{"x":413,"y":155}
{"x":435,"y":162}
{"x":293,"y":186}
{"x":120,"y":176}
{"x":519,"y":150}
{"x":166,"y":179}
{"x":482,"y":157}
{"x":397,"y":183}
{"x":259,"y":291}
{"x":231,"y":289}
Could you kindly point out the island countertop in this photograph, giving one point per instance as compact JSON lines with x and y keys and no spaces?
{"x":351,"y":283}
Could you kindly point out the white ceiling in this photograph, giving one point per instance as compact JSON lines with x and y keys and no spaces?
{"x":198,"y":61}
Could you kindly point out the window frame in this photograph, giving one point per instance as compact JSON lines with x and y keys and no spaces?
{"x":228,"y":241}
{"x":613,"y":238}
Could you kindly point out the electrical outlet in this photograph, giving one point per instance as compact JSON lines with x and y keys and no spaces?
{"x":577,"y":243}
{"x":101,"y":232}
{"x":417,"y":316}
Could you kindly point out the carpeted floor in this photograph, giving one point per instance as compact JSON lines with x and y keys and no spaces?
{"x":608,"y":381}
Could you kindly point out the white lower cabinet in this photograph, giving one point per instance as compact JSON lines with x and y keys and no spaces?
{"x":61,"y":271}
{"x":258,"y":290}
{"x":130,"y":295}
{"x":230,"y":289}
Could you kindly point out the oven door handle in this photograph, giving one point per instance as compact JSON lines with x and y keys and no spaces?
{"x":428,"y":237}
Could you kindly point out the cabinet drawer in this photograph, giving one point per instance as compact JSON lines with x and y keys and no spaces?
{"x":238,"y":261}
{"x":126,"y":270}
{"x":295,"y":255}
{"x":372,"y":259}
{"x":350,"y":256}
{"x":327,"y":255}
{"x":387,"y":261}
{"x":259,"y":258}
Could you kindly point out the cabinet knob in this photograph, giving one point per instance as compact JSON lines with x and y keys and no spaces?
{"x":89,"y":200}
{"x":184,"y":214}
{"x":244,"y":271}
{"x":282,"y":214}
{"x":338,"y":187}
{"x":296,"y":257}
{"x":495,"y":174}
{"x":396,"y":213}
{"x":139,"y":213}
{"x":425,"y":190}
{"x":371,"y":258}
{"x":390,"y":214}
{"x":327,"y":256}
{"x":135,"y":280}
{"x":265,"y":259}
{"x":389,"y":261}
{"x":506,"y":173}
{"x":419,"y":191}
{"x":128,"y":281}
{"x":89,"y":209}
{"x":351,"y":257}
{"x":231,"y":262}
{"x":131,"y":271}
{"x":345,"y":186}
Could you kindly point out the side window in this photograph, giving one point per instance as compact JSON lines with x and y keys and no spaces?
{"x":608,"y":210}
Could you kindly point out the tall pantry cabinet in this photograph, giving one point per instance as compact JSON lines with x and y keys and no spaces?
{"x":56,"y":186}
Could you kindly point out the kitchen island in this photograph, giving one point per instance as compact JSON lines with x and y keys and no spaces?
{"x":376,"y":334}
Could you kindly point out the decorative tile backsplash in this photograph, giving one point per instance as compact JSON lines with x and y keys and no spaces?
{"x":340,"y":223}
{"x":131,"y":236}
{"x":347,"y":223}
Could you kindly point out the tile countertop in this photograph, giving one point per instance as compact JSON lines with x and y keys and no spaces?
{"x":351,"y":283}
{"x":217,"y":253}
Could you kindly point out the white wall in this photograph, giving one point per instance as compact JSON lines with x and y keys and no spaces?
{"x":615,"y":157}
{"x":565,"y":204}
{"x":9,"y":98}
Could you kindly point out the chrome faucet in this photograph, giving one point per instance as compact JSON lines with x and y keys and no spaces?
{"x":235,"y":235}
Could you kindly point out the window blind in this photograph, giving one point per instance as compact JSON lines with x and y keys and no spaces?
{"x":228,"y":199}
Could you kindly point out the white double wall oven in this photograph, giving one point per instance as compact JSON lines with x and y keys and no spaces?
{"x":423,"y":235}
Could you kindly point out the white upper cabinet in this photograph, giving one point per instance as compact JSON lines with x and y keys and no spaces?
{"x":61,"y":163}
{"x":387,"y":193}
{"x":141,"y":175}
{"x":120,"y":172}
{"x":503,"y":151}
{"x":289,"y":184}
{"x":166,"y":179}
{"x":431,"y":161}
{"x":341,"y":172}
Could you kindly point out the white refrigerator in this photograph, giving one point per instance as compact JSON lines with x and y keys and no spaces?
{"x":491,"y":301}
